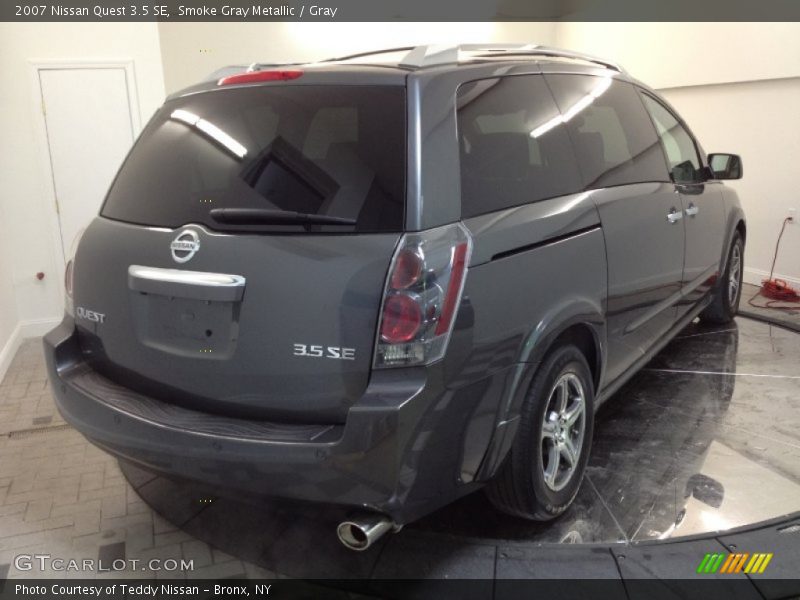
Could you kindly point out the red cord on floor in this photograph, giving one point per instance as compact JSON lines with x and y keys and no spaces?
{"x":776,"y":289}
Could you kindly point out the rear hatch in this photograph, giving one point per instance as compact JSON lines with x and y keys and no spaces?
{"x":239,"y":261}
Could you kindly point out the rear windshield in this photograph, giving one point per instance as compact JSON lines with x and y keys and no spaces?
{"x":330,"y":150}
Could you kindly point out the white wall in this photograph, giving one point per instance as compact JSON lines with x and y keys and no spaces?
{"x":667,"y":55}
{"x":26,"y":191}
{"x":9,"y":320}
{"x":192,"y":51}
{"x":738,"y":87}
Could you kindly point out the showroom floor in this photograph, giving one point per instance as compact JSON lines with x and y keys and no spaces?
{"x":62,"y":496}
{"x":703,"y":439}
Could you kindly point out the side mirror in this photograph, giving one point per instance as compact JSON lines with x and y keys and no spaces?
{"x":725,"y":166}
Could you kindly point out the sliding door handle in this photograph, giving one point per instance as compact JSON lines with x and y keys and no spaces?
{"x":692,"y":210}
{"x":674,"y":215}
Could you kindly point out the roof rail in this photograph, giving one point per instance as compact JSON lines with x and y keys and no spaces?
{"x":371,"y":53}
{"x":431,"y":55}
{"x":425,"y":56}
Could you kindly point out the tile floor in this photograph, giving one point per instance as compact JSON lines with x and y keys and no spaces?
{"x":62,"y":496}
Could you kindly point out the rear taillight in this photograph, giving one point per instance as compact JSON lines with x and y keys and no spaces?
{"x":402,"y":318}
{"x":421,"y":297}
{"x":259,"y":76}
{"x":68,"y":279}
{"x":69,"y":274}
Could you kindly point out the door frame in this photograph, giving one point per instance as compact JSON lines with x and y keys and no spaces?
{"x":42,"y":143}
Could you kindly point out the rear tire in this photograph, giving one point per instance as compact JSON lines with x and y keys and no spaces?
{"x":725,"y":304}
{"x":545,"y":466}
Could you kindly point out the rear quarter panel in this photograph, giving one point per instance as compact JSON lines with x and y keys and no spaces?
{"x":536,"y":270}
{"x":526,"y":294}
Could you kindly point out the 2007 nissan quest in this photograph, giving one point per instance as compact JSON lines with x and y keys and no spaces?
{"x":387,"y":280}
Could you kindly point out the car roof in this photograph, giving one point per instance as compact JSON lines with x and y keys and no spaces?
{"x":392,"y":66}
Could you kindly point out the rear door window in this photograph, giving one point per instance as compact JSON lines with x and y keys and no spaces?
{"x":332,"y":150}
{"x":613,"y":136}
{"x":513,"y":146}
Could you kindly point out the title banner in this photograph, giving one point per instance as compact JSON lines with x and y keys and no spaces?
{"x":399,"y":10}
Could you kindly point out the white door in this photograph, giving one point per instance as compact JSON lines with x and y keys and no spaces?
{"x":87,"y":113}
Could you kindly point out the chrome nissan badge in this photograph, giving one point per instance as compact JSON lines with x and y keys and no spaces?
{"x":185,"y":246}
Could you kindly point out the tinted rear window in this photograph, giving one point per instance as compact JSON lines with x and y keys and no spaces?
{"x":513,"y":147}
{"x":332,"y":150}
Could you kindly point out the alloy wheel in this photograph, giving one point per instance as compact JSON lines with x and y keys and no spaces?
{"x":562,"y":431}
{"x":734,"y":275}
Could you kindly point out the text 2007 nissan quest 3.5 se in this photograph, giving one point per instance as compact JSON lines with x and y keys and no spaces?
{"x":384,"y":281}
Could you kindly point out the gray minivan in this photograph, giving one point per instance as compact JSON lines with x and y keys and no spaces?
{"x":387,"y":280}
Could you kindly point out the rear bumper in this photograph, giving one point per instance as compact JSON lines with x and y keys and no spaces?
{"x":386,"y":457}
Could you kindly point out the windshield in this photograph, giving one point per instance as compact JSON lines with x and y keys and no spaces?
{"x":328,"y":150}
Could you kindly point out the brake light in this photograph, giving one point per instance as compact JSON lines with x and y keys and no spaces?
{"x":421,"y":297}
{"x":259,"y":76}
{"x":402,"y":318}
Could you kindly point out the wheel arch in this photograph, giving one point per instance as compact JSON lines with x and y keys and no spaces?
{"x":581,"y":323}
{"x":741,"y":227}
{"x":585,"y":338}
{"x":735,"y":222}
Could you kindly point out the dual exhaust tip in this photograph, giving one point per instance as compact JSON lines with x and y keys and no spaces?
{"x":361,"y":531}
